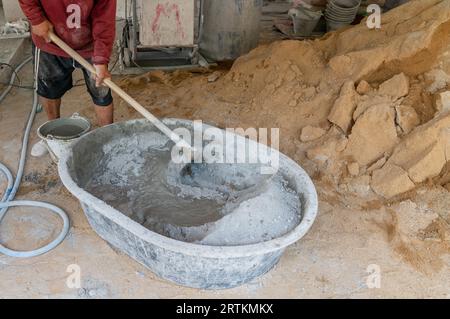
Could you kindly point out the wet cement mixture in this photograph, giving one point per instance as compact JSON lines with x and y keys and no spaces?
{"x":382,"y":207}
{"x":213,"y":204}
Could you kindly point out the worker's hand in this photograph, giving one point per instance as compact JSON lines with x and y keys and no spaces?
{"x":101,"y":74}
{"x":42,"y":30}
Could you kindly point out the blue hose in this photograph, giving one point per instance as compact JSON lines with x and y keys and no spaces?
{"x":13,"y":185}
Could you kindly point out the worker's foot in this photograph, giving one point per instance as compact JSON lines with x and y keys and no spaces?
{"x":39,"y":149}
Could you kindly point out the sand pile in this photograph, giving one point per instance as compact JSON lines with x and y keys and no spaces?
{"x":359,"y":104}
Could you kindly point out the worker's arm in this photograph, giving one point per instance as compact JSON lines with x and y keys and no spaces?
{"x":103,"y":17}
{"x":35,"y":14}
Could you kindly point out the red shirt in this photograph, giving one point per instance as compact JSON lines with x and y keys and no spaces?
{"x":96,"y":33}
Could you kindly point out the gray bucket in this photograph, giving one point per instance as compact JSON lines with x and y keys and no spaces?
{"x":60,"y":134}
{"x":305,"y":21}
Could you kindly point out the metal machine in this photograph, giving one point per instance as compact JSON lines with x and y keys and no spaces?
{"x":161,"y":34}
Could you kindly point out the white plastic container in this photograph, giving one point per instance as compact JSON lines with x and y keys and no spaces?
{"x":60,"y":134}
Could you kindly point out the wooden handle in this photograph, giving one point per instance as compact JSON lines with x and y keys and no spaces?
{"x":114,"y":87}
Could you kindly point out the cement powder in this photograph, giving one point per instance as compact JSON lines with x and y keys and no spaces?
{"x":271,"y":214}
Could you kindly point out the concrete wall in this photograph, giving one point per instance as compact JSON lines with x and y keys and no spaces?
{"x":12,"y":10}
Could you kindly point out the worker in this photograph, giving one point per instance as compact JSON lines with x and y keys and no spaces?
{"x":88,"y":26}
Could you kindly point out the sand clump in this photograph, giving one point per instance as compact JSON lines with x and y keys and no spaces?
{"x":406,"y":118}
{"x":373,"y":134}
{"x":342,"y":112}
{"x":311,"y":133}
{"x":396,"y":87}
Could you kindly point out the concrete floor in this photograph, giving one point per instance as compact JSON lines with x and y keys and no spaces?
{"x":334,"y":260}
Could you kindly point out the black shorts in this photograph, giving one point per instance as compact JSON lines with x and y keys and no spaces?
{"x":55,"y":79}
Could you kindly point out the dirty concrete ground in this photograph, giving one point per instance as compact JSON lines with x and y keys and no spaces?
{"x":346,"y":244}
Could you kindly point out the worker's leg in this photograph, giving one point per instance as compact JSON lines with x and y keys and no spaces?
{"x":52,"y":107}
{"x":102,"y":98}
{"x":54,"y":80}
{"x":105,"y":114}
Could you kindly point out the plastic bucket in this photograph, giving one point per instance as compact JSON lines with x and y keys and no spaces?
{"x":60,"y":134}
{"x":304,"y":21}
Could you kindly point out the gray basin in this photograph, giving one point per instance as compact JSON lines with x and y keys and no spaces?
{"x":187,"y":263}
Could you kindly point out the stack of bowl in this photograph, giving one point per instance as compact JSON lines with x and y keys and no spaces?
{"x":340,"y":13}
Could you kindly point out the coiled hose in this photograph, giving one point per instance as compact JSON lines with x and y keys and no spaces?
{"x":7,"y":200}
